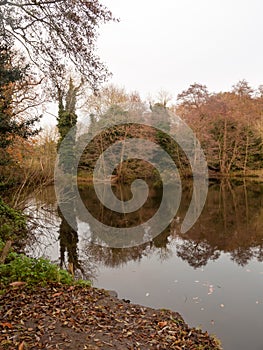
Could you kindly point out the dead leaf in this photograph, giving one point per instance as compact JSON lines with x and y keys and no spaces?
{"x":162,"y":324}
{"x":57,"y":294}
{"x":17,"y":284}
{"x":21,"y":346}
{"x":6,"y":324}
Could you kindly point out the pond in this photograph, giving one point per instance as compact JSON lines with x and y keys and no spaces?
{"x":212,"y":274}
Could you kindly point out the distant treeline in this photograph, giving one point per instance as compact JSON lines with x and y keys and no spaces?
{"x":228,"y":125}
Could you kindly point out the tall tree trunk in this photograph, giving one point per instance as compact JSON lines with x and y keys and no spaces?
{"x":246,"y":156}
{"x":224,"y":150}
{"x":119,"y":174}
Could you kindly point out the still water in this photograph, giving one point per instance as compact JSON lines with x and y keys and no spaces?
{"x":212,"y":275}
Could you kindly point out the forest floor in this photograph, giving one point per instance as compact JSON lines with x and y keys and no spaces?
{"x":75,"y":317}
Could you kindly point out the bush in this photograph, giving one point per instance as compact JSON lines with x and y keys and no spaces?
{"x":19,"y":267}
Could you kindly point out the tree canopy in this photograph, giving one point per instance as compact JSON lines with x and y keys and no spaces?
{"x":55,"y":33}
{"x":228,"y":125}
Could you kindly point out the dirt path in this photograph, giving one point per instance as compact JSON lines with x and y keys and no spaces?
{"x":74,"y":317}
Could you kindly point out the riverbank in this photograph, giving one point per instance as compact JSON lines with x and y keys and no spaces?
{"x":35,"y":314}
{"x":75,"y":317}
{"x":251,"y":175}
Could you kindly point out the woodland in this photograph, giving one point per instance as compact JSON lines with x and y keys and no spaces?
{"x":47,"y":55}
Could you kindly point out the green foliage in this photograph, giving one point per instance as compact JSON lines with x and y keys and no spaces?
{"x":105,"y":135}
{"x":160,"y":117}
{"x":67,"y":119}
{"x":84,"y":283}
{"x":66,"y":151}
{"x":2,"y":244}
{"x":12,"y":222}
{"x":32,"y":271}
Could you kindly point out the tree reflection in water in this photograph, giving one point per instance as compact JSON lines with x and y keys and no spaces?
{"x":231,"y":222}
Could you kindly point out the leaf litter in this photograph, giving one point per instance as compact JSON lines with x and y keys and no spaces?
{"x":77,"y":317}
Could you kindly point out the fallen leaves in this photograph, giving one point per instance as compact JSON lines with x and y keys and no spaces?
{"x":77,"y":318}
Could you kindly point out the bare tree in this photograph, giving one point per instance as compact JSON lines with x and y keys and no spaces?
{"x":98,"y":103}
{"x":242,"y":89}
{"x":195,"y":96}
{"x":164,"y":97}
{"x":56,"y":33}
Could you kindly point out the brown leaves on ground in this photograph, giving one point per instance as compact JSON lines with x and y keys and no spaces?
{"x":63,"y":317}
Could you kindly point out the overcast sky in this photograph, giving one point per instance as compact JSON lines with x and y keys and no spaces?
{"x":170,"y":44}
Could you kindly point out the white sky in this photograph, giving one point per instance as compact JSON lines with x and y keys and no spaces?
{"x":170,"y":44}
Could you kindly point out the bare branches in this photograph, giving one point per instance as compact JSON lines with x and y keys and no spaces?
{"x":227,"y":124}
{"x":56,"y":32}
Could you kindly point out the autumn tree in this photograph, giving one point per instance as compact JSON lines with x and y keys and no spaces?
{"x":191,"y":104}
{"x":105,"y":109}
{"x":259,"y":121}
{"x":194,"y":97}
{"x":249,"y":112}
{"x":114,"y":116}
{"x":99,"y":102}
{"x":226,"y":125}
{"x":242,"y":89}
{"x":56,"y":33}
{"x":15,"y":100}
{"x":233,"y":128}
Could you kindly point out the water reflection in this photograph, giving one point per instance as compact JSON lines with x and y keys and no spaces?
{"x":231,"y":222}
{"x":68,"y":238}
{"x":212,"y":274}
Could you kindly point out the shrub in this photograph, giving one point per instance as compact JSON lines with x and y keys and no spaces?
{"x":19,"y":267}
